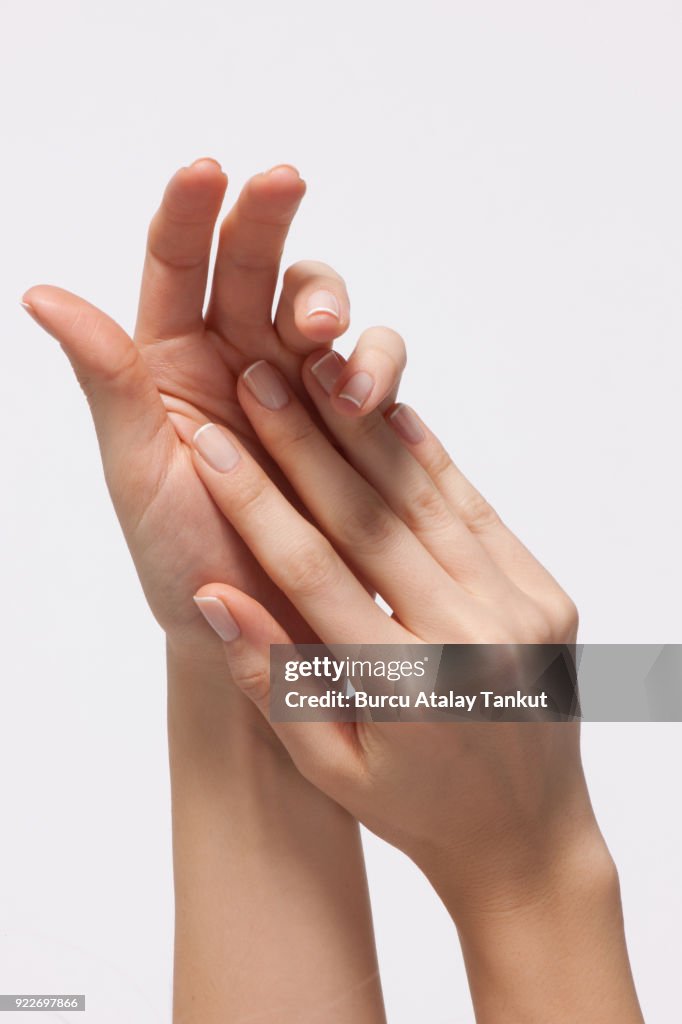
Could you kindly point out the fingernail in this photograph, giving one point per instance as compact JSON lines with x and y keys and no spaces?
{"x":324,"y":303}
{"x":218,"y":617}
{"x":327,"y":370}
{"x":407,"y":424}
{"x":283,"y":171}
{"x":206,"y":160}
{"x":215,"y":447}
{"x":266,"y":385}
{"x":29,"y":309}
{"x":358,"y":388}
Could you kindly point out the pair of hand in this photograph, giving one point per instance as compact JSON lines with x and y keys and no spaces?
{"x":240,"y":448}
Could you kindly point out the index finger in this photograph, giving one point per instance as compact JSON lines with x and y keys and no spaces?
{"x":178,"y":253}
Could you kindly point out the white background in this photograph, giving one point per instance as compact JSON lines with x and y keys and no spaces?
{"x":501,"y":183}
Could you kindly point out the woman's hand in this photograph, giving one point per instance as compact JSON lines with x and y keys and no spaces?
{"x":394,"y":514}
{"x":185,"y":362}
{"x":498,"y":816}
{"x":256,"y":848}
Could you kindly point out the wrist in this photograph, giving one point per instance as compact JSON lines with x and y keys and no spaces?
{"x":212,"y":726}
{"x":554,"y":949}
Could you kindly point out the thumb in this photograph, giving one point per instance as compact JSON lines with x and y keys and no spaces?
{"x":324,"y":752}
{"x":123,"y":398}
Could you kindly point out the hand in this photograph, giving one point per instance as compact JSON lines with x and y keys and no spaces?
{"x":397,"y":515}
{"x":497,"y":816}
{"x":186,"y":363}
{"x":241,"y":813}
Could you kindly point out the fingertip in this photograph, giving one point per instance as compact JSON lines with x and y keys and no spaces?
{"x":280,"y":182}
{"x":216,"y":613}
{"x":285,"y":173}
{"x":203,"y":178}
{"x":321,"y":315}
{"x":207,"y":165}
{"x":406,"y":423}
{"x":322,"y":369}
{"x":358,"y":393}
{"x":372,"y":374}
{"x":44,"y":302}
{"x":35,"y":296}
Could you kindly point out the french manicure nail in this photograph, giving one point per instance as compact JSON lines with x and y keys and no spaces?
{"x":218,"y":617}
{"x":327,"y":370}
{"x":266,"y":386}
{"x":29,"y":309}
{"x":407,"y":424}
{"x":215,"y":447}
{"x":324,"y":303}
{"x":358,"y":388}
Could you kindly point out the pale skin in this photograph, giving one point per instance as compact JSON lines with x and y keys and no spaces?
{"x":272,"y":912}
{"x":497,"y":816}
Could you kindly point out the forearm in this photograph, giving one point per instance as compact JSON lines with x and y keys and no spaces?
{"x":272,"y":909}
{"x":556,"y":953}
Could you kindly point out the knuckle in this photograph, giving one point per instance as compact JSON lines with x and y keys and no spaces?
{"x":564,"y":618}
{"x":425,"y":509}
{"x":536,"y":627}
{"x":249,"y":497}
{"x":294,"y":274}
{"x":304,"y":270}
{"x":368,"y":524}
{"x":477,"y":513}
{"x":386,"y":345}
{"x":311,"y":569}
{"x":380,"y":337}
{"x":300,"y":431}
{"x":253,"y":680}
{"x":251,"y":259}
{"x":369,"y":429}
{"x":439,"y":462}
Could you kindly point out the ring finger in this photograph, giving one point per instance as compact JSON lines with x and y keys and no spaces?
{"x":378,"y":454}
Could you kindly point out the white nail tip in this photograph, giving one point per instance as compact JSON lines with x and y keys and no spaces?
{"x":200,"y":430}
{"x":218,"y":617}
{"x":322,"y":309}
{"x":350,"y":398}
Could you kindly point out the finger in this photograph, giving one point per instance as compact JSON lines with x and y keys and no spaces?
{"x":313,"y":308}
{"x":372,"y":373}
{"x":178,"y":253}
{"x":379,"y":456}
{"x":504,"y":547}
{"x":296,"y":557}
{"x":250,"y":248}
{"x":371,"y":538}
{"x":322,"y":751}
{"x":135,"y":437}
{"x":124,"y":400}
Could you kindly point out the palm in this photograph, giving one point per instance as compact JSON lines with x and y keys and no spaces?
{"x":186,"y":364}
{"x":183,"y":541}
